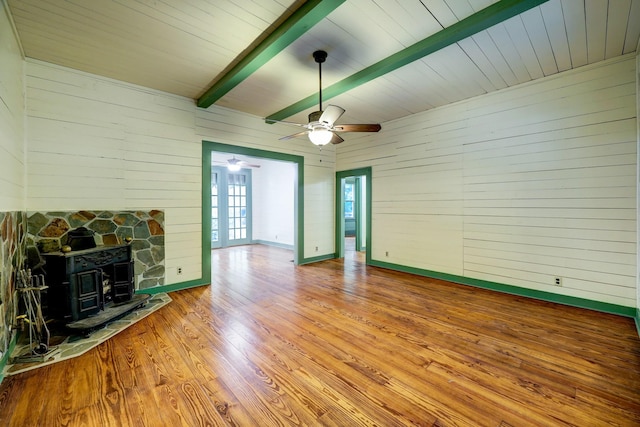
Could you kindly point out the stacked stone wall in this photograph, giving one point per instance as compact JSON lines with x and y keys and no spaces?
{"x":48,"y":232}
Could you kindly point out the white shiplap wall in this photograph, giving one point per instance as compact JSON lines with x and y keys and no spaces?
{"x":273,"y":202}
{"x":518,"y":187}
{"x":12,"y":158}
{"x":638,"y":183}
{"x":97,"y":143}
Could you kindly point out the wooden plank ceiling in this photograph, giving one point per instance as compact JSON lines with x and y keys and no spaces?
{"x":185,"y":47}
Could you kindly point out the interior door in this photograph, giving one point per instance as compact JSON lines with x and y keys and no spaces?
{"x":230,"y":207}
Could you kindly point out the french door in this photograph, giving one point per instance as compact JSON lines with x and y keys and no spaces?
{"x":230,"y":207}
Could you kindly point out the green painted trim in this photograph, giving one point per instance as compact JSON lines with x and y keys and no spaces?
{"x":318,"y":259}
{"x":308,"y":15}
{"x":7,"y":355}
{"x":174,"y":287}
{"x":339,"y":226}
{"x":207,"y":148}
{"x":637,"y":319}
{"x":367,"y":172}
{"x":206,"y":214}
{"x":480,"y":21}
{"x":514,"y":290}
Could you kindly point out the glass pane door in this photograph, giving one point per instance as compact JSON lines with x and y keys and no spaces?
{"x":215,"y":220}
{"x":237,"y":205}
{"x":230,"y":207}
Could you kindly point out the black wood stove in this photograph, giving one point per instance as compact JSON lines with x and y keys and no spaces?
{"x":89,"y":287}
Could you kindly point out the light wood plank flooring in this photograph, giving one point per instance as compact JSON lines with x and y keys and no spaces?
{"x":337,"y":343}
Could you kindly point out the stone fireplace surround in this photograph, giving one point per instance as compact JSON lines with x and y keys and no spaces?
{"x":13,"y":244}
{"x":47,"y":231}
{"x":22,"y":232}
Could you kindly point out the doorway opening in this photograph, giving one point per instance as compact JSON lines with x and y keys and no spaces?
{"x":353,"y":212}
{"x":213,"y":149}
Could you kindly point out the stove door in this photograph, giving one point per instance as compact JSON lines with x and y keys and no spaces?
{"x":86,"y":294}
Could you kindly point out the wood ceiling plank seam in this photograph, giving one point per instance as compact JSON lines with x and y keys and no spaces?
{"x":487,"y":45}
{"x":104,"y":29}
{"x":465,"y":68}
{"x":617,"y":23}
{"x":293,"y":27}
{"x":633,"y":28}
{"x":460,"y":9}
{"x":575,"y":23}
{"x":441,"y":12}
{"x":405,"y":25}
{"x":475,"y":54}
{"x":509,"y":52}
{"x":181,"y":20}
{"x":384,"y":21}
{"x":365,"y":31}
{"x":126,"y":27}
{"x":524,"y":45}
{"x":370,"y":95}
{"x":425,"y":78}
{"x":486,"y":18}
{"x":451,"y":65}
{"x":438,"y":80}
{"x":537,"y":33}
{"x":596,"y":29}
{"x":481,"y":4}
{"x":66,"y":46}
{"x":553,"y":18}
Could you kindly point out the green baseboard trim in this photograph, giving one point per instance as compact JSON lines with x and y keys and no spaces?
{"x":637,"y":319}
{"x":7,"y":355}
{"x":317,"y":259}
{"x":516,"y":290}
{"x":275,"y":244}
{"x":173,"y":287}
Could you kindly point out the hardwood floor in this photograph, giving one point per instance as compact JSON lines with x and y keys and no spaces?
{"x":339,"y":344}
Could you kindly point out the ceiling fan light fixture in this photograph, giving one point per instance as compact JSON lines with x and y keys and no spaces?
{"x":233,"y":165}
{"x":320,"y":136}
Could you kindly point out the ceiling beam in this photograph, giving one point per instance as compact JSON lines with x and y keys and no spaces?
{"x":479,"y":21}
{"x":309,"y":14}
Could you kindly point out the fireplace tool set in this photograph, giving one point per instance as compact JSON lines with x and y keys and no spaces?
{"x":30,"y":288}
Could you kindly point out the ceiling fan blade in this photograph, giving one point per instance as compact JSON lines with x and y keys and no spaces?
{"x":358,"y":128}
{"x":295,"y":135}
{"x":336,"y":139}
{"x":331,"y":114}
{"x":286,"y":123}
{"x":243,"y":163}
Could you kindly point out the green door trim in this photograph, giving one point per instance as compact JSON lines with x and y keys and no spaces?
{"x":339,"y":219}
{"x":209,"y":147}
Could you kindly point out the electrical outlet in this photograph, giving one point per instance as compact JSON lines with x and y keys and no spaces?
{"x":386,"y":253}
{"x":558,"y":281}
{"x":316,"y":249}
{"x":179,"y":270}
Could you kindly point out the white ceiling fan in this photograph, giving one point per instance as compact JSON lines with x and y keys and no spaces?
{"x":235,"y":165}
{"x":322,"y":128}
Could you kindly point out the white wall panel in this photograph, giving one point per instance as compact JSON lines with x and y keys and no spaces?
{"x":12,"y":139}
{"x":273,"y":202}
{"x":518,"y":187}
{"x":96,"y":143}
